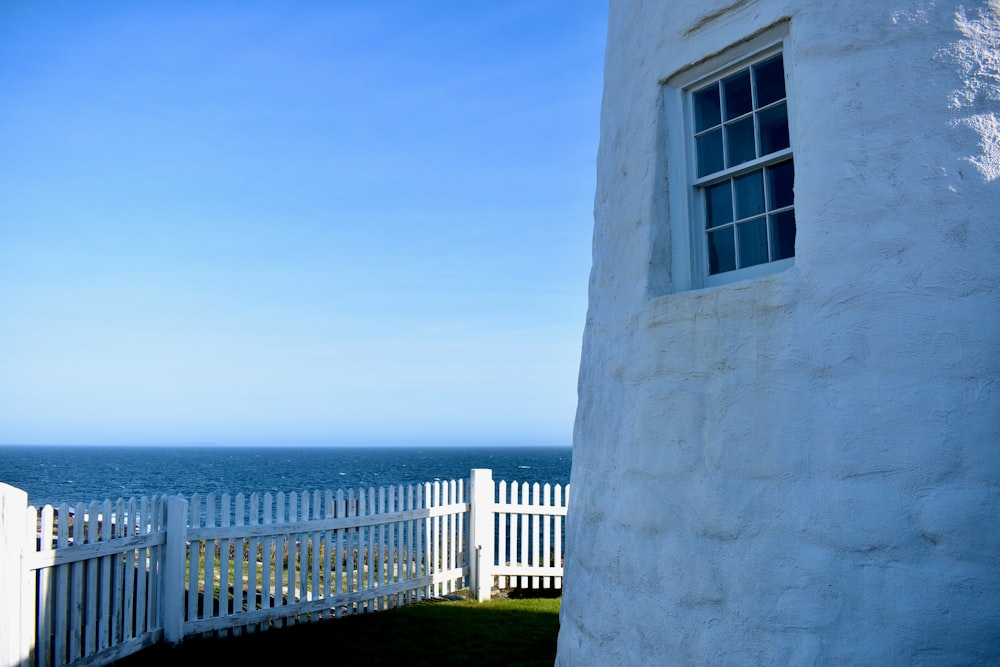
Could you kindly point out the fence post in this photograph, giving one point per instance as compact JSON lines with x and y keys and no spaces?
{"x":481,"y":496}
{"x":16,"y":630}
{"x":173,"y":570}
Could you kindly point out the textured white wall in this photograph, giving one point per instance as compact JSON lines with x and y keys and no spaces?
{"x":802,"y":468}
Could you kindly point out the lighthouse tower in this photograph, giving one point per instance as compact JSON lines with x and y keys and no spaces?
{"x":787,"y":446}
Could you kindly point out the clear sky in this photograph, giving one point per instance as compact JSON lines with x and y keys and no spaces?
{"x":339,"y":222}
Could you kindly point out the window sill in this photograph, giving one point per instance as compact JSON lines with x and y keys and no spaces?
{"x":749,"y":273}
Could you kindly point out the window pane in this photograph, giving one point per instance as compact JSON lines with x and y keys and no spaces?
{"x":721,"y":251}
{"x":770,"y":76}
{"x":753,"y":242}
{"x":773,"y":129}
{"x":739,"y":141}
{"x":744,"y":167}
{"x":709,"y":152}
{"x":718,"y":205}
{"x":750,"y":195}
{"x":780,"y":185}
{"x":707,"y":108}
{"x":783,"y":235}
{"x":738,"y":98}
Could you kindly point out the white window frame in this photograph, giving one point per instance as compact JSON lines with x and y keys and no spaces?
{"x":689,"y":246}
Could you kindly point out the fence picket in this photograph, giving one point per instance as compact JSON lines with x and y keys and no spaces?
{"x":427,"y":542}
{"x":525,"y":540}
{"x":340,"y":555}
{"x":300,"y":592}
{"x":280,"y":557}
{"x":392,"y":544}
{"x":61,"y":621}
{"x":315,"y":553}
{"x":45,"y":592}
{"x":269,"y":546}
{"x":156,"y":525}
{"x":557,"y":527}
{"x":455,"y":532}
{"x":381,"y":555}
{"x":117,"y":618}
{"x":253,"y":558}
{"x":103,"y":575}
{"x":534,"y":546}
{"x":240,"y":555}
{"x":411,"y":545}
{"x":224,"y":557}
{"x":289,"y":583}
{"x":141,"y":569}
{"x":194,"y":558}
{"x":422,"y":492}
{"x":502,"y":529}
{"x":328,"y":512}
{"x":436,"y":544}
{"x":461,"y":532}
{"x":90,"y":618}
{"x":515,"y":532}
{"x":518,"y":543}
{"x":208,"y":576}
{"x":356,"y":565}
{"x":290,"y":586}
{"x":391,"y":548}
{"x":546,"y":544}
{"x":399,"y":531}
{"x":298,"y":578}
{"x":76,"y":614}
{"x":128,"y":612}
{"x":302,"y":553}
{"x":360,"y":563}
{"x":371,"y":558}
{"x":450,"y":532}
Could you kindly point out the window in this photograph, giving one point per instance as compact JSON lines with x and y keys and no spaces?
{"x":743,"y":170}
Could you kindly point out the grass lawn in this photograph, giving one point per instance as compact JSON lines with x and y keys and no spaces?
{"x":500,"y":632}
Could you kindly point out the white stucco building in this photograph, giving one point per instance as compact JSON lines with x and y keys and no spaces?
{"x":787,"y":446}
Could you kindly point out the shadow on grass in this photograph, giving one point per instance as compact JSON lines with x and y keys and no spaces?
{"x":499,"y":632}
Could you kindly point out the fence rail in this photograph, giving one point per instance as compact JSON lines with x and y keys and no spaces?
{"x":91,"y":583}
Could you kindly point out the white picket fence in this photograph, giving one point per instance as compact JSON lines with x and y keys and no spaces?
{"x":92,"y":583}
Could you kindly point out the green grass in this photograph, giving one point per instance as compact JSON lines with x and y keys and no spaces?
{"x":500,"y":632}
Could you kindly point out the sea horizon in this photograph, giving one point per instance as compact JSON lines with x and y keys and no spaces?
{"x":293,"y":444}
{"x":53,"y":474}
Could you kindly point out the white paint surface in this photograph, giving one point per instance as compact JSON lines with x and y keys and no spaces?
{"x":802,"y":468}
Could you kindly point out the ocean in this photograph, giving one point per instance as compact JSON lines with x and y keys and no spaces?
{"x":57,"y":474}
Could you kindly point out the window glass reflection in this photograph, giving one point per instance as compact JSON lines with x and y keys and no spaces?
{"x":707,"y":108}
{"x":770,"y":79}
{"x":783,"y":235}
{"x":709,"y":152}
{"x":773,"y":129}
{"x":740,"y":142}
{"x":780,"y":184}
{"x":721,"y":251}
{"x":718,"y":204}
{"x":738,"y":95}
{"x":753,"y":242}
{"x":749,"y":194}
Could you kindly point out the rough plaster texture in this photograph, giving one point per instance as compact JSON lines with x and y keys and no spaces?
{"x":802,"y":468}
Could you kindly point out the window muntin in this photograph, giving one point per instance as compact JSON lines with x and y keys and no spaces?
{"x":750,"y":219}
{"x":744,"y":169}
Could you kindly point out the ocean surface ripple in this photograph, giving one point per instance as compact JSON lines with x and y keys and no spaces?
{"x":56,"y":474}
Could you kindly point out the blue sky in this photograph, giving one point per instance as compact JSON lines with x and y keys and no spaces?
{"x":293,"y":222}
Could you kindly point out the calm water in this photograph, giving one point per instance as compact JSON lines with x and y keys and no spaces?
{"x":56,"y":474}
